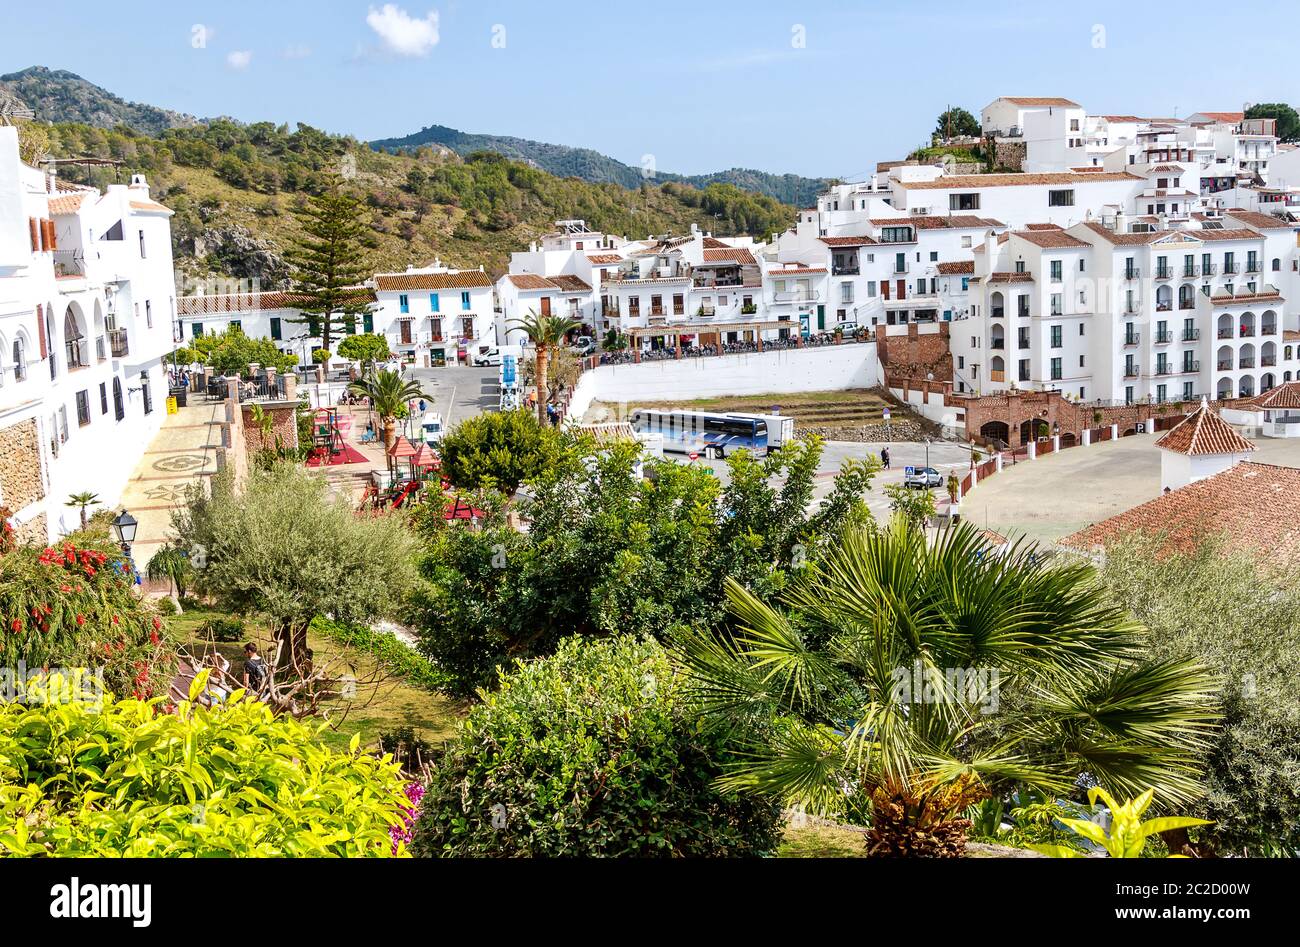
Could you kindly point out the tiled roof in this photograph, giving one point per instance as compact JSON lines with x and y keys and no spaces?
{"x":847,"y":241}
{"x":1006,"y":277}
{"x":964,"y":266}
{"x":1238,"y":234}
{"x":1052,"y":239}
{"x":603,"y":259}
{"x":1254,"y":507}
{"x":1121,"y":118}
{"x":1224,"y":116}
{"x":1132,"y":239}
{"x":66,"y":205}
{"x":569,"y":283}
{"x":713,"y":243}
{"x":397,"y":282}
{"x":1251,"y":218}
{"x":937,"y":222}
{"x":799,"y":270}
{"x":529,"y":281}
{"x":1043,"y":227}
{"x":1205,"y":433}
{"x":1246,"y":295}
{"x":1283,"y":396}
{"x":1167,"y":169}
{"x":1039,"y":101}
{"x":1015,"y":180}
{"x":217,"y":304}
{"x":729,"y":255}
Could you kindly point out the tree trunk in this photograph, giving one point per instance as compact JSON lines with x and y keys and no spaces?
{"x":390,"y":429}
{"x":83,"y":517}
{"x":543,"y":397}
{"x":292,"y":660}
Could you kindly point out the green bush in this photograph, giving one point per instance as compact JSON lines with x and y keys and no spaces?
{"x":500,"y":450}
{"x":594,"y":751}
{"x":234,"y":780}
{"x":222,"y":629}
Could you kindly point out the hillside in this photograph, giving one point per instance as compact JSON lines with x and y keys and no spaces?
{"x":56,"y":95}
{"x":589,"y":165}
{"x":234,"y":188}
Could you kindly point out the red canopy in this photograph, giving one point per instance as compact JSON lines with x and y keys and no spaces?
{"x":424,"y":457}
{"x":401,"y":448}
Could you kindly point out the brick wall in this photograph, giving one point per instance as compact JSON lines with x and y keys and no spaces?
{"x":1014,"y":409}
{"x":284,"y":424}
{"x":20,"y":465}
{"x":914,"y":355}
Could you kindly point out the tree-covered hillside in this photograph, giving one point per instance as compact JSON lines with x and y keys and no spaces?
{"x":233,"y":188}
{"x":56,"y":95}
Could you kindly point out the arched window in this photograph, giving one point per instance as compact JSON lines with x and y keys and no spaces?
{"x":1277,"y":264}
{"x":74,"y":341}
{"x":119,"y":408}
{"x":20,"y":360}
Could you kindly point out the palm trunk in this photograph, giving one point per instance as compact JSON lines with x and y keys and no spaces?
{"x":543,"y":398}
{"x":390,"y":429}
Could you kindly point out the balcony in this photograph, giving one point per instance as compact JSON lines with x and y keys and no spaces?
{"x":997,"y":312}
{"x":1191,"y":335}
{"x":1231,"y":268}
{"x":75,"y":354}
{"x":1133,"y":338}
{"x":1023,"y":342}
{"x":706,"y":312}
{"x":1247,"y":332}
{"x":117,"y":343}
{"x":657,"y":311}
{"x":797,"y":296}
{"x":1268,"y":328}
{"x":1130,"y":371}
{"x":1164,"y":370}
{"x":1246,"y":362}
{"x":847,"y":269}
{"x":997,"y":376}
{"x":1132,"y":273}
{"x":1267,"y":361}
{"x":1210,"y":269}
{"x":1164,"y":272}
{"x":899,"y":270}
{"x":1225,"y":333}
{"x":1191,"y":367}
{"x":101,"y":348}
{"x":1191,"y":271}
{"x":1187,"y":303}
{"x":1165,"y":307}
{"x":1225,"y":365}
{"x":997,"y":344}
{"x":1163,"y":338}
{"x":752,"y":308}
{"x":1252,"y":266}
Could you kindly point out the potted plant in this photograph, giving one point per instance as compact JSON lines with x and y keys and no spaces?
{"x":954,"y":487}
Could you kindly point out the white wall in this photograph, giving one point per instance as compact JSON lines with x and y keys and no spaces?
{"x":834,"y":368}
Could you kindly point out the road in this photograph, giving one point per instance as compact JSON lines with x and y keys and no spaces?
{"x":459,"y":391}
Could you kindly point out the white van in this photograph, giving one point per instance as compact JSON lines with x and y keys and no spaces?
{"x":431,"y":428}
{"x":487,"y":356}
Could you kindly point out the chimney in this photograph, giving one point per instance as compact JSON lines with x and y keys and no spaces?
{"x":138,"y":182}
{"x":990,"y":248}
{"x":1121,"y":222}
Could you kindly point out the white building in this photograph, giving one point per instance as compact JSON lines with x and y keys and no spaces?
{"x":87,"y":315}
{"x":1007,"y":116}
{"x":1201,"y":446}
{"x":1063,"y":198}
{"x":434,"y":312}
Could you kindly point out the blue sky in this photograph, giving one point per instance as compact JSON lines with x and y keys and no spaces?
{"x":816,"y":88}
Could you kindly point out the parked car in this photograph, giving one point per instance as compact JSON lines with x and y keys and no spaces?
{"x":923,"y":478}
{"x":489,"y":356}
{"x":584,"y":345}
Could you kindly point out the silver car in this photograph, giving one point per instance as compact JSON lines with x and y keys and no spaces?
{"x":923,"y":478}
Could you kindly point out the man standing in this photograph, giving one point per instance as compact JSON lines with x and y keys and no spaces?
{"x":884,"y":457}
{"x":254,"y":669}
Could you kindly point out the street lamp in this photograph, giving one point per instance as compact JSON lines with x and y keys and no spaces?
{"x":123,"y":527}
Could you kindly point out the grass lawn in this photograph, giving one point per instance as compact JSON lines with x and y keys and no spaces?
{"x":385,"y":705}
{"x":822,"y":841}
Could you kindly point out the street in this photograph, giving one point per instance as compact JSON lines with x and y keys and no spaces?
{"x":459,"y":391}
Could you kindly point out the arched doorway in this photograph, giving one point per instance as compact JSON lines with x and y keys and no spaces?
{"x":1068,"y":439}
{"x":995,"y":431}
{"x":1033,"y":429}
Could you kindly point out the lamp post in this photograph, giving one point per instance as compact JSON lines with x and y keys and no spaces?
{"x":123,"y":527}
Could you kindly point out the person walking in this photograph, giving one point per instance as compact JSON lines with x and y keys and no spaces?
{"x":884,"y":457}
{"x":254,"y":669}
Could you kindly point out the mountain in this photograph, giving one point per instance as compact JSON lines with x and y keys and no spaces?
{"x":589,"y":165}
{"x":56,"y":95}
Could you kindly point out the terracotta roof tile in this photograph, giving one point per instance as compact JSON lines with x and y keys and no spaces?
{"x":604,"y":259}
{"x":862,"y":241}
{"x":567,"y":282}
{"x":150,"y":207}
{"x":222,"y":303}
{"x":528,"y":281}
{"x":1254,"y":507}
{"x":729,"y":255}
{"x":1052,"y":239}
{"x":1204,"y":432}
{"x":1039,"y":101}
{"x":937,"y":222}
{"x":398,"y":282}
{"x":66,"y":205}
{"x":1283,"y":396}
{"x":962,"y":266}
{"x":1252,"y":218}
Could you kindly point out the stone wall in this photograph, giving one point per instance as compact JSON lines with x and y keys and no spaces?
{"x":915,"y":355}
{"x":1015,"y":408}
{"x":35,"y":532}
{"x":20,"y":466}
{"x":284,"y":425}
{"x":1009,"y":154}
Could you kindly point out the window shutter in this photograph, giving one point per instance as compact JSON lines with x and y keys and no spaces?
{"x":54,"y":239}
{"x":40,"y":330}
{"x":36,"y":239}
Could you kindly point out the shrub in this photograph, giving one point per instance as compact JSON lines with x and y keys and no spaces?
{"x":500,"y":450}
{"x":409,"y":751}
{"x":165,"y":606}
{"x":75,"y":607}
{"x":232,"y":780}
{"x":593,"y":751}
{"x":222,"y":629}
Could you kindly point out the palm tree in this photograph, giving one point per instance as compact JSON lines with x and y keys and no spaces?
{"x":389,"y":393}
{"x":545,"y":331}
{"x":171,"y":563}
{"x":918,"y":676}
{"x":83,"y":499}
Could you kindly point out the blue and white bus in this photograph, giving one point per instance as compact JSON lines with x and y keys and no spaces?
{"x":713,"y":435}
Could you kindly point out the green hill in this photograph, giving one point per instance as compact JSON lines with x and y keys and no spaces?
{"x":589,"y":165}
{"x":56,"y":95}
{"x":234,"y":187}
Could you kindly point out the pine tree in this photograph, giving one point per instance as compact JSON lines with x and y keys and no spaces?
{"x":329,"y":264}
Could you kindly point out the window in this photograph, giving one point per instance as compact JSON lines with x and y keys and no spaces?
{"x":1057,"y":342}
{"x":83,"y":408}
{"x":146,"y":393}
{"x":63,"y":423}
{"x":961,"y":361}
{"x":1056,"y":369}
{"x":966,"y":243}
{"x":275,"y":328}
{"x":1056,"y":269}
{"x":846,"y":292}
{"x":1081,"y":264}
{"x":934,"y":256}
{"x":197,"y":330}
{"x":1056,"y":304}
{"x":433,"y":303}
{"x":237,"y":325}
{"x":142,"y":253}
{"x":367,"y":322}
{"x":1062,"y":198}
{"x":871,"y":289}
{"x":464,"y":299}
{"x":20,"y":360}
{"x":119,"y":407}
{"x":963,"y":202}
{"x":895,"y":234}
{"x":1082,"y":360}
{"x":1020,"y":266}
{"x":103,"y":397}
{"x":1277,"y":264}
{"x":148,"y":314}
{"x":404,"y":303}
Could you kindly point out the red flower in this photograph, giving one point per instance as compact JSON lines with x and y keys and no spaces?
{"x":81,"y":619}
{"x":115,"y":621}
{"x":153,"y":637}
{"x":65,"y":588}
{"x":16,"y":625}
{"x":157,"y":623}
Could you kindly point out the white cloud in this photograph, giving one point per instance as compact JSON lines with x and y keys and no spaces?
{"x":297,"y":52}
{"x":402,"y":33}
{"x":239,"y":59}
